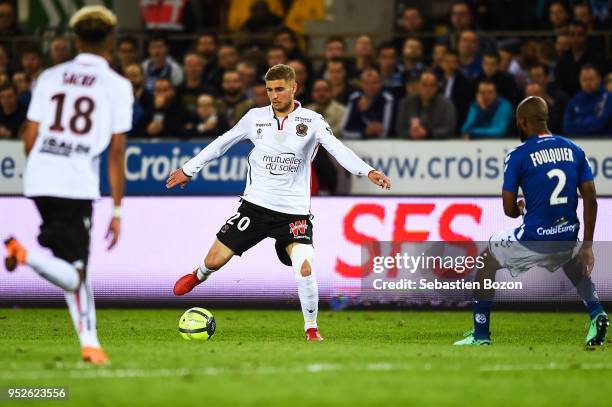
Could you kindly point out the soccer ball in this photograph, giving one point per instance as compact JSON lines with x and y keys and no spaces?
{"x":197,"y":323}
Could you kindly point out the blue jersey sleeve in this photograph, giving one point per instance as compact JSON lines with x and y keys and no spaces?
{"x":512,"y":171}
{"x":584,"y":168}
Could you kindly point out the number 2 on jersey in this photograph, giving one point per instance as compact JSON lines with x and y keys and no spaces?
{"x":83,"y":108}
{"x":555,"y":199}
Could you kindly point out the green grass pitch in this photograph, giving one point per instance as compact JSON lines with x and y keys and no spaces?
{"x":259,"y":358}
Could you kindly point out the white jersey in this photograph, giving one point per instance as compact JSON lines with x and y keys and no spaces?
{"x":78,"y":105}
{"x":279,"y":170}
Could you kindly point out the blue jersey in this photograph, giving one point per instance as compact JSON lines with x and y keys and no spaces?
{"x":549,"y":169}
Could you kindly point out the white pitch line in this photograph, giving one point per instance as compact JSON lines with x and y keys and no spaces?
{"x":547,"y":366}
{"x":89,"y":372}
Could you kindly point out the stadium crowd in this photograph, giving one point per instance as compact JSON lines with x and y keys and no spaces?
{"x":416,"y":85}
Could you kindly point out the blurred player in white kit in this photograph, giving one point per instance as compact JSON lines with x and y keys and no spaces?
{"x":78,"y":108}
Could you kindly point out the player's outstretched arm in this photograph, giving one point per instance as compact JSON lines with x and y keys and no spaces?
{"x":212,"y":151}
{"x":589,"y":215}
{"x":380,"y":179}
{"x":30,"y":132}
{"x":177,"y":177}
{"x":511,"y":206}
{"x":116,"y":179}
{"x":347,"y":158}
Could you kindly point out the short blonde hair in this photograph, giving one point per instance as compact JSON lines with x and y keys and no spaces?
{"x":280,"y":71}
{"x":93,"y":24}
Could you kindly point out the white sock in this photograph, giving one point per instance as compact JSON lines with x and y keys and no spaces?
{"x":203,"y":272}
{"x":57,"y":271}
{"x":308,"y":291}
{"x":83,"y":312}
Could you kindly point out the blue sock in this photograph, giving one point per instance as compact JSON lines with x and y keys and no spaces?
{"x":588,"y":294}
{"x":482,"y":313}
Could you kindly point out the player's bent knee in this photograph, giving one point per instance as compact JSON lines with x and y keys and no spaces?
{"x":214,"y":261}
{"x":302,"y":256}
{"x":305,"y":269}
{"x":218,"y":255}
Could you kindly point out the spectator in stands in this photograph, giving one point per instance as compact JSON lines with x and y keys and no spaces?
{"x":127,"y":53}
{"x":609,"y":82}
{"x":228,"y":57}
{"x":582,"y":13}
{"x":437,"y":56}
{"x":337,"y":77}
{"x":227,"y":60}
{"x":170,"y":116}
{"x":335,"y":48}
{"x":287,"y":39}
{"x":59,"y":50}
{"x":193,"y":86}
{"x":601,"y":13}
{"x":468,"y":49}
{"x":32,"y":62}
{"x":233,"y":104}
{"x":365,"y":55}
{"x":528,"y":57}
{"x":506,"y":59}
{"x":160,"y":64}
{"x":455,"y":86}
{"x":4,"y":61}
{"x":332,"y":111}
{"x":369,"y":112}
{"x":207,"y":123}
{"x":589,"y":112}
{"x":555,"y":111}
{"x":206,"y":46}
{"x":8,"y":22}
{"x":563,"y":43}
{"x":549,"y":91}
{"x":412,"y":57}
{"x":8,"y":29}
{"x":569,"y":64}
{"x":489,"y":116}
{"x":12,"y":114}
{"x":144,"y":105}
{"x":461,"y":19}
{"x":504,"y":82}
{"x":391,"y":72}
{"x":259,"y":97}
{"x":411,"y":85}
{"x":302,"y":92}
{"x":23,"y":84}
{"x":412,"y":24}
{"x":262,"y":21}
{"x":558,"y":16}
{"x":276,"y":55}
{"x":248,"y":77}
{"x":427,"y":115}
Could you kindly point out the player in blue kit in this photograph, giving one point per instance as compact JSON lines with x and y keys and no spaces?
{"x":549,"y":169}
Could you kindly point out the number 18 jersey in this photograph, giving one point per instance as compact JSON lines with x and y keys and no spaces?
{"x":78,"y":106}
{"x":548,"y":168}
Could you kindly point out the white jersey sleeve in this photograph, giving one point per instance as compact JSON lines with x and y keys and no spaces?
{"x":219,"y":146}
{"x":122,"y":109}
{"x":344,"y":155}
{"x":38,"y":103}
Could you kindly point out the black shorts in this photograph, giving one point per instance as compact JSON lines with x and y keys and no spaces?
{"x":251,"y":224}
{"x":65,"y":228}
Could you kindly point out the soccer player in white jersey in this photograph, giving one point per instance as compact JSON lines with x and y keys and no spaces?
{"x":276,"y":200}
{"x":78,"y":108}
